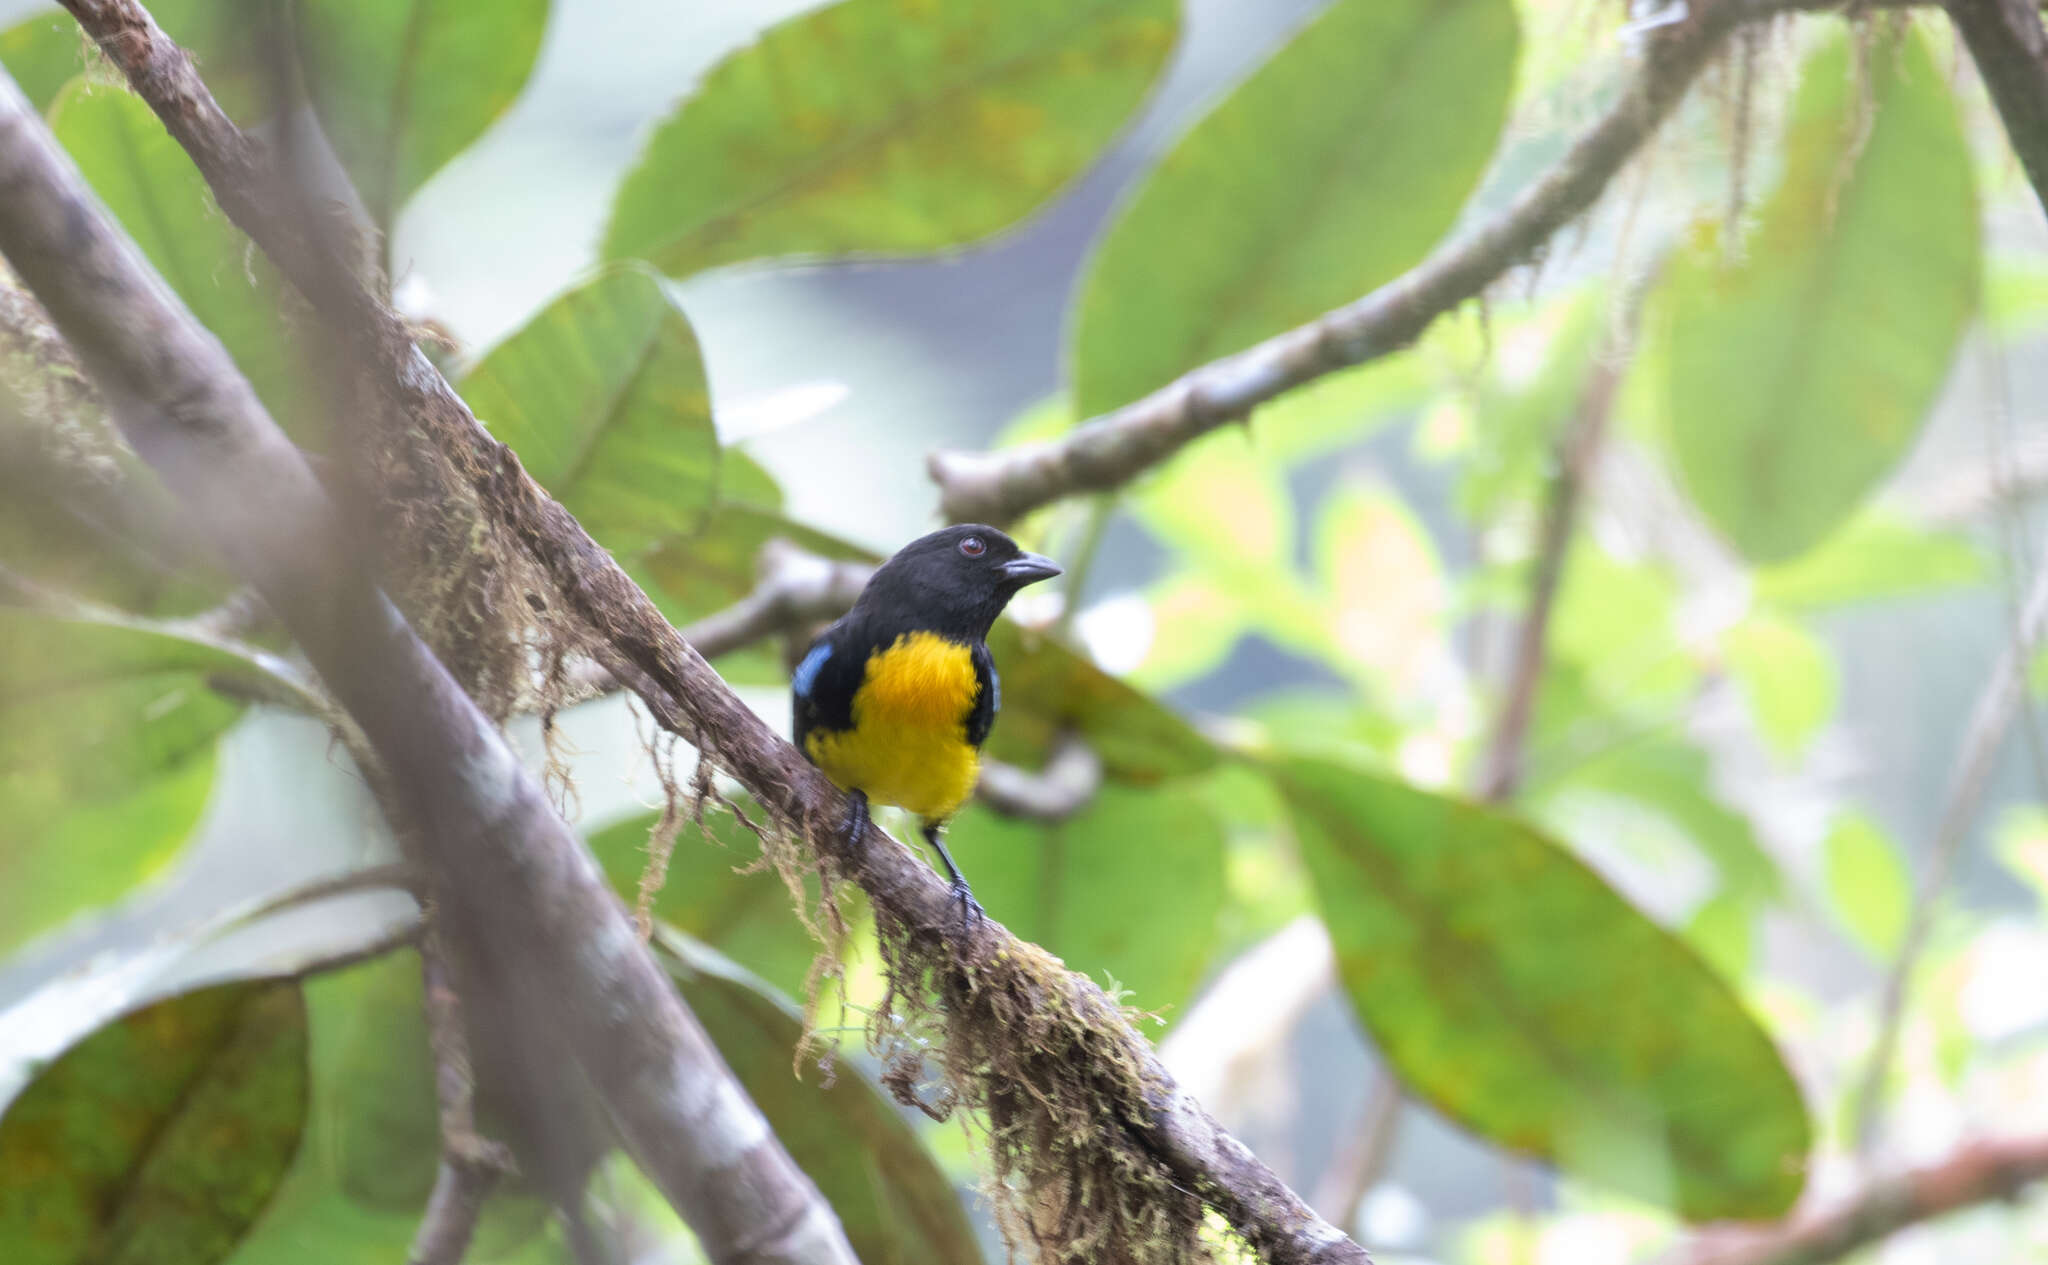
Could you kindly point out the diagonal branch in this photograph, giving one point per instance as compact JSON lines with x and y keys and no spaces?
{"x":516,"y":893}
{"x":1111,"y":450}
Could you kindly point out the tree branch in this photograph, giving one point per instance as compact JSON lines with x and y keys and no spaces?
{"x":2010,"y":46}
{"x":1110,"y":450}
{"x":1977,"y":1173}
{"x":515,"y":890}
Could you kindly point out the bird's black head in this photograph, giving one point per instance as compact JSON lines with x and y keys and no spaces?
{"x":954,"y":581}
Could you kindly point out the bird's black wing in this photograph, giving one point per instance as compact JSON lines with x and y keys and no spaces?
{"x":988,"y":696}
{"x":822,"y":687}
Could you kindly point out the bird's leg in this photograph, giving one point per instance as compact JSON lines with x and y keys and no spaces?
{"x":856,"y":822}
{"x":970,"y":908}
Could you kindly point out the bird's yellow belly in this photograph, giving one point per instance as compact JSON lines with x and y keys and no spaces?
{"x":908,"y":745}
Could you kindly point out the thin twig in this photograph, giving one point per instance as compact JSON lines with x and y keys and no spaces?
{"x":470,"y":1164}
{"x":2004,"y":693}
{"x":1501,"y":772}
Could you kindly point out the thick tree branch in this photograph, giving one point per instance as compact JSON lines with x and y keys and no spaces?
{"x":2010,"y":46}
{"x":1110,"y":450}
{"x":514,"y":890}
{"x":1978,"y":1173}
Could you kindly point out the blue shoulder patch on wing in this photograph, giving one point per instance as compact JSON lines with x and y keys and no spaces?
{"x":995,"y":692}
{"x":807,"y":671}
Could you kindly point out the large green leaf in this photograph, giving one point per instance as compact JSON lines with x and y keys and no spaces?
{"x":1075,"y":886}
{"x":603,"y":397}
{"x":402,"y":86}
{"x":1798,"y":377}
{"x":1514,"y":990}
{"x":161,"y":1137}
{"x":106,"y":756}
{"x":896,"y":1206}
{"x":748,"y":917}
{"x":879,"y":127}
{"x":1329,"y":171}
{"x":164,"y":204}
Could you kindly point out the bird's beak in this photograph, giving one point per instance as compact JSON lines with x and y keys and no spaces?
{"x":1029,"y":568}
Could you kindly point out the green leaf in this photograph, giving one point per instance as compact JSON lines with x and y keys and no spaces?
{"x":1867,"y":884}
{"x":1800,"y":375}
{"x":1049,"y":689}
{"x":748,"y":917}
{"x":1129,"y":888}
{"x":880,"y":127}
{"x":372,"y":1103}
{"x":163,"y":202}
{"x":1329,"y":171}
{"x":1875,"y":557}
{"x":42,"y":53}
{"x":161,"y":1137}
{"x":1786,"y":675}
{"x":896,"y":1206}
{"x":603,"y":397}
{"x":402,"y":86}
{"x":1514,"y":990}
{"x":380,"y":1118}
{"x":106,"y":757}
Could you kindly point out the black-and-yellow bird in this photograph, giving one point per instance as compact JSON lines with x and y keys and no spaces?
{"x":894,"y":700}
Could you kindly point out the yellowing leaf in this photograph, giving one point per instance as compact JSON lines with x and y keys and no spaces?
{"x":1515,"y":991}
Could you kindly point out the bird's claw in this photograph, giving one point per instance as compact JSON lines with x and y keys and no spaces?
{"x":971,"y":912}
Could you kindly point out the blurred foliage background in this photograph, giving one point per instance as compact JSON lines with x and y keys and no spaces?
{"x":1487,"y":991}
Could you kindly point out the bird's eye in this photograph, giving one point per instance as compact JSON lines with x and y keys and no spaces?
{"x":973,"y":546}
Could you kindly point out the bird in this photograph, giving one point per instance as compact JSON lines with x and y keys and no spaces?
{"x":893,"y":701}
